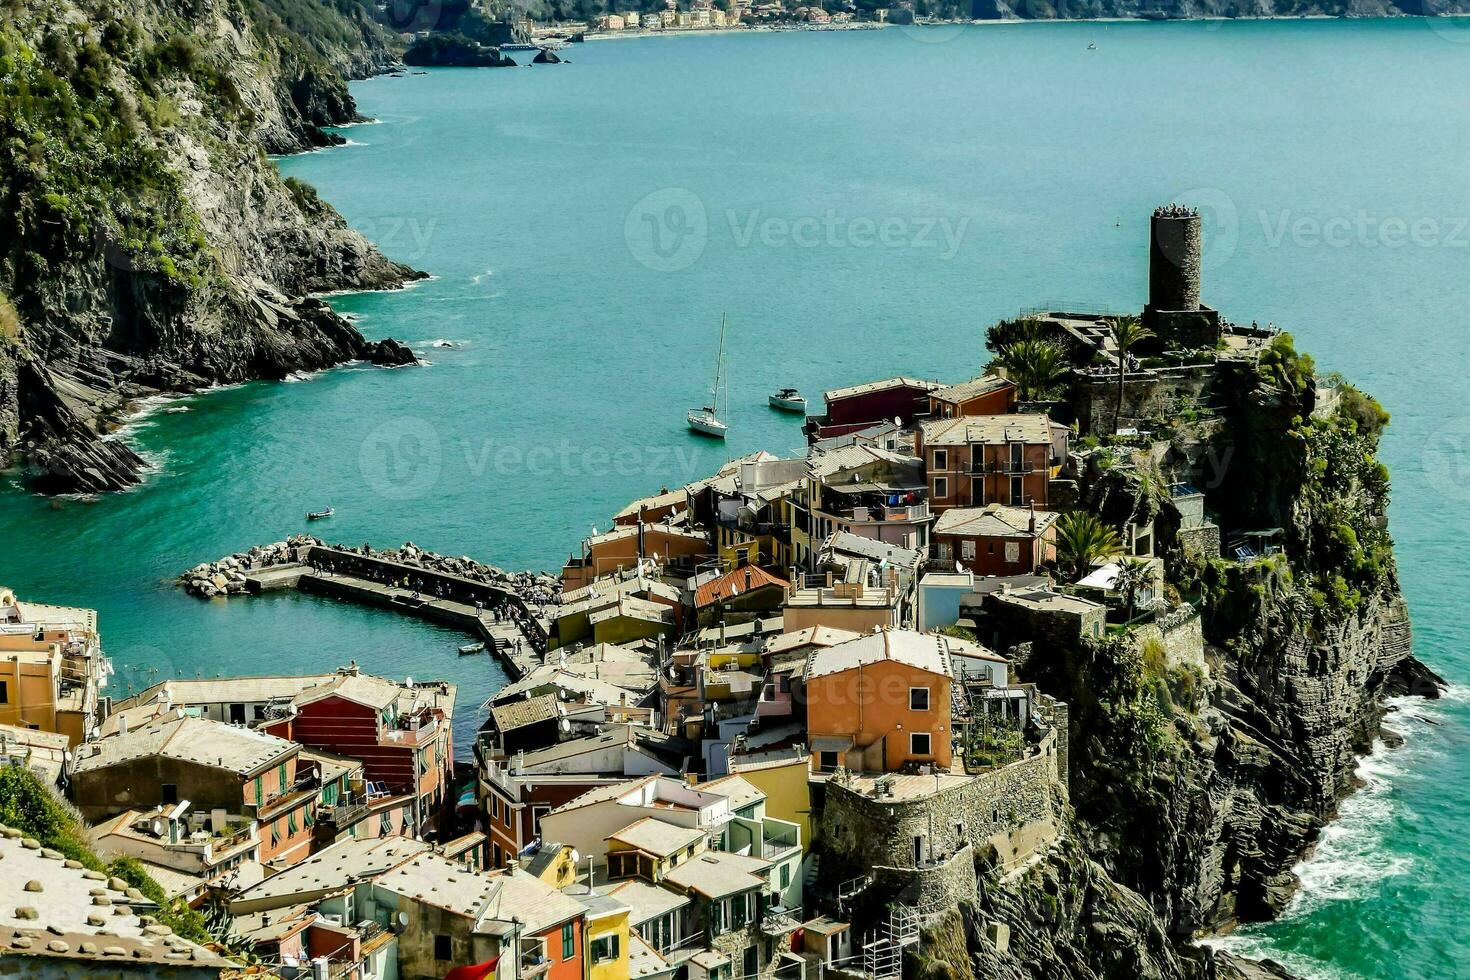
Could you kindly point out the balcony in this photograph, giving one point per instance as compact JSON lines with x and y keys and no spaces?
{"x":345,"y":813}
{"x":1005,"y":467}
{"x":876,"y":515}
{"x":304,"y":786}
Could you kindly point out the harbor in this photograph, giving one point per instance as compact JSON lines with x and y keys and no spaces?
{"x":486,"y":603}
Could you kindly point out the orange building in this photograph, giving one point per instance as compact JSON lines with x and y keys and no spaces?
{"x":971,"y":461}
{"x":880,"y":702}
{"x":623,"y":546}
{"x":988,"y":394}
{"x":51,"y":668}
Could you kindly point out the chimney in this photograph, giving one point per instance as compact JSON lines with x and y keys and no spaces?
{"x":1032,"y":525}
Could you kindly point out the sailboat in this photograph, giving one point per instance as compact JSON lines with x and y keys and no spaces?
{"x":706,"y":421}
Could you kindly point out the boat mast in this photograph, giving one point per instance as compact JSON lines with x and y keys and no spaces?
{"x":714,"y":394}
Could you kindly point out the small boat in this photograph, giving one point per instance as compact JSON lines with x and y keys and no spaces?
{"x":1092,"y":46}
{"x":469,"y":649}
{"x":788,"y":400}
{"x":318,"y":515}
{"x":706,"y":421}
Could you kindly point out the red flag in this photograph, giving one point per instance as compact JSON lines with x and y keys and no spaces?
{"x":478,"y":971}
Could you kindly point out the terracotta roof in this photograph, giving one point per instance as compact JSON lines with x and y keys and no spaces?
{"x":867,"y":388}
{"x":530,"y":711}
{"x":973,"y":388}
{"x":993,"y":521}
{"x":990,"y":430}
{"x":734,"y":583}
{"x":924,"y":651}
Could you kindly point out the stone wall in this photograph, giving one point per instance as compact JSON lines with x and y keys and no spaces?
{"x":1203,"y":540}
{"x":982,"y":814}
{"x":1182,"y":635}
{"x":1147,"y":394}
{"x":939,"y":886}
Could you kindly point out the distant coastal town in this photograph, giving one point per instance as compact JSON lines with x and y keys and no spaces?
{"x":777,"y":722}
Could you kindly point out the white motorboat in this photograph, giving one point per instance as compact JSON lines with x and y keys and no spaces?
{"x":788,"y":400}
{"x":706,"y":420}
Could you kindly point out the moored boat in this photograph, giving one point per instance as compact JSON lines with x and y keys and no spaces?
{"x":788,"y":400}
{"x":318,"y":515}
{"x":706,"y":421}
{"x":471,"y":648}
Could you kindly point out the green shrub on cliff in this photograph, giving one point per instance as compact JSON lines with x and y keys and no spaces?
{"x":9,"y":321}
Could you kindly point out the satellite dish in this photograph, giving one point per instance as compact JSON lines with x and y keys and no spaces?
{"x":403,"y":918}
{"x":576,"y":858}
{"x":898,"y":420}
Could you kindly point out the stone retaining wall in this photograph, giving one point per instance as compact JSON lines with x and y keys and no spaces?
{"x":982,"y":814}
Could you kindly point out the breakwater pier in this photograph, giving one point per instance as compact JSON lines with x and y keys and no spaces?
{"x":508,"y":612}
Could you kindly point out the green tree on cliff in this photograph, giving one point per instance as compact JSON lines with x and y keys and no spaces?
{"x":1126,"y":331}
{"x":1082,"y":538}
{"x":1036,"y":365}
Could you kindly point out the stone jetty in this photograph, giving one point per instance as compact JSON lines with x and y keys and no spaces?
{"x":509,"y":611}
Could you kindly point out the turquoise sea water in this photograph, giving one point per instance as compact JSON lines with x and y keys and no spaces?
{"x":858,"y":204}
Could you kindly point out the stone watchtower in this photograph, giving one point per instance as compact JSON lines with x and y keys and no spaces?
{"x":1174,"y":311}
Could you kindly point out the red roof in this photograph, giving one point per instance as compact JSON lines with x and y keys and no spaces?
{"x":734,"y":583}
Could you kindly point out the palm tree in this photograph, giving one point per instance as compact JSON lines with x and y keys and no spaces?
{"x":1126,"y":331}
{"x":1134,"y":575}
{"x":1034,"y":364}
{"x":1082,"y":538}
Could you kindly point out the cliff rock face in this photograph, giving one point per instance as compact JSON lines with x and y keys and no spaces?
{"x":1197,"y":785}
{"x":148,"y":243}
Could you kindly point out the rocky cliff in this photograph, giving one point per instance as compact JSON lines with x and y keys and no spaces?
{"x":148,"y":243}
{"x":1198,"y":784}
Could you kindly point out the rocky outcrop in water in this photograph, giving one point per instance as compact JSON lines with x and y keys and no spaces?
{"x":454,"y":51}
{"x":148,"y":245}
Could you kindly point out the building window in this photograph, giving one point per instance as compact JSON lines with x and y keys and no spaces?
{"x":568,"y":942}
{"x":4,"y":692}
{"x":443,"y":948}
{"x":605,"y":948}
{"x":941,"y":486}
{"x":259,"y":789}
{"x":282,"y":775}
{"x":967,"y":550}
{"x":919,"y":743}
{"x":1018,"y":491}
{"x":785,"y":876}
{"x":827,"y":761}
{"x":169,"y":793}
{"x":918,"y":699}
{"x":941,"y":459}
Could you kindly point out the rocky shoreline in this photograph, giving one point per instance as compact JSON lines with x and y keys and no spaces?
{"x":206,"y":278}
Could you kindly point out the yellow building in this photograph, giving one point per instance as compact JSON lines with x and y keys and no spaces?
{"x":51,"y":667}
{"x":784,"y":780}
{"x":607,"y":938}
